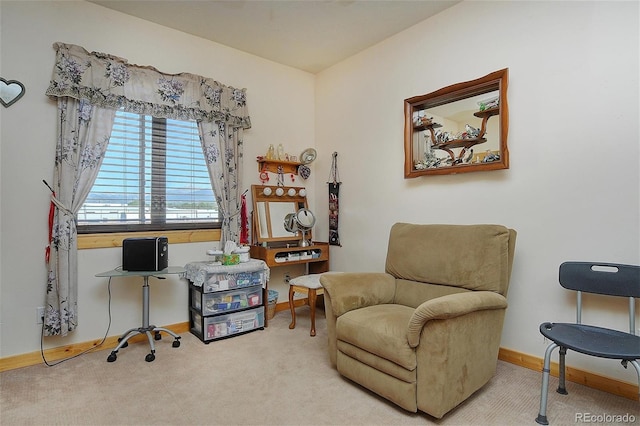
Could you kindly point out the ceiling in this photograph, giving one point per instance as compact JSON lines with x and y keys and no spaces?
{"x":310,"y":35}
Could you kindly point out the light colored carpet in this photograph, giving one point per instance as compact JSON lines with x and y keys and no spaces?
{"x":272,"y":377}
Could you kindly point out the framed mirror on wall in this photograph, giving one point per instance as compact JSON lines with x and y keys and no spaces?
{"x":458,"y":129}
{"x":271,"y":207}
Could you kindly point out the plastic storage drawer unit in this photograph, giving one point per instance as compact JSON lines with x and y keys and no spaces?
{"x":227,"y":281}
{"x":225,"y":301}
{"x":221,"y":326}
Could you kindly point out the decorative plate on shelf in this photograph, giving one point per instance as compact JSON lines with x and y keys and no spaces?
{"x":308,"y":155}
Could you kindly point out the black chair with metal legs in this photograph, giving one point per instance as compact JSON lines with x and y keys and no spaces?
{"x":609,"y":279}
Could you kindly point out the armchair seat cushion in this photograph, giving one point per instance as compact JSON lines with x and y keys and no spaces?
{"x":380,"y":330}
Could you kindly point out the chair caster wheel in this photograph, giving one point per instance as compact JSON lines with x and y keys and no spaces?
{"x":149,"y":357}
{"x":158,"y":336}
{"x":112,"y":357}
{"x":125,"y":343}
{"x":176,"y":343}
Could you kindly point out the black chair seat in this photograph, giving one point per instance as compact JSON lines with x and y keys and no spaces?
{"x":594,"y":341}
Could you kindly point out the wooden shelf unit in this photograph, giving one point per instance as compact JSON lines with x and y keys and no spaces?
{"x":272,"y":166}
{"x":465,"y":144}
{"x":316,"y":265}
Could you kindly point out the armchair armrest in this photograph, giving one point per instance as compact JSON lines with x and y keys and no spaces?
{"x":352,"y":290}
{"x":451,"y":306}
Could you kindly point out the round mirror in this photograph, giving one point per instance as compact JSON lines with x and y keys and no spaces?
{"x":305,"y":218}
{"x":290,"y":223}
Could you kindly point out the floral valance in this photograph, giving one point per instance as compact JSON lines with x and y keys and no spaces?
{"x":112,"y":82}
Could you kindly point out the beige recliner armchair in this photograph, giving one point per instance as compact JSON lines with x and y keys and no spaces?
{"x":425,"y":333}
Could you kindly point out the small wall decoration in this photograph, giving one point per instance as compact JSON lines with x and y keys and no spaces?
{"x":334,"y":192}
{"x":10,"y":91}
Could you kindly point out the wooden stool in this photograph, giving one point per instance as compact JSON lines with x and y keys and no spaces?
{"x":309,"y":284}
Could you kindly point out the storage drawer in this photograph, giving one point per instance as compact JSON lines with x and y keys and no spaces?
{"x":221,"y":326}
{"x":225,"y":301}
{"x":228,"y":281}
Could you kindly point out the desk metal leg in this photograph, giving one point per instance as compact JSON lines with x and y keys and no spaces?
{"x":145,"y":303}
{"x":145,"y":329}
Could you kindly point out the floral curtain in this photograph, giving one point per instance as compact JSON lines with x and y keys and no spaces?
{"x":112,"y":82}
{"x":89,"y":88}
{"x":83,"y":136}
{"x":222,"y":147}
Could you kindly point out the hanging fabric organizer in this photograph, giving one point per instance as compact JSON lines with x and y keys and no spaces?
{"x":334,"y":190}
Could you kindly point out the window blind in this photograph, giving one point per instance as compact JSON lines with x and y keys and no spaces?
{"x":153,"y":175}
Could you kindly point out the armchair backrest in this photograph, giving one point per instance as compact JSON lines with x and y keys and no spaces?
{"x":473,"y":257}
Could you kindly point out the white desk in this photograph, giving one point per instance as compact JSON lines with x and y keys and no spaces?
{"x":146,"y":328}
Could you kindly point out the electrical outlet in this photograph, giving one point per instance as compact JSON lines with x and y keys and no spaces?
{"x":40,"y":315}
{"x":287,"y":277}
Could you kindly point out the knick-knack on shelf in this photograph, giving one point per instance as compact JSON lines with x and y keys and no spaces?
{"x":270,"y":152}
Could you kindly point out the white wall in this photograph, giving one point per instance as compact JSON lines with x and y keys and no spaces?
{"x":572,"y":191}
{"x":281,"y":104}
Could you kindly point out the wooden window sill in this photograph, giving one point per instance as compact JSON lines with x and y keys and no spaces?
{"x":92,"y":241}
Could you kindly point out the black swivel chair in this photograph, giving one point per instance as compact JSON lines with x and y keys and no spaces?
{"x":601,"y":278}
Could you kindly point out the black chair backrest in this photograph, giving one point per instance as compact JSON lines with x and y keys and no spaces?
{"x":612,"y":279}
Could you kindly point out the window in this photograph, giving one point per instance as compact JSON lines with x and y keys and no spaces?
{"x":153,"y":177}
